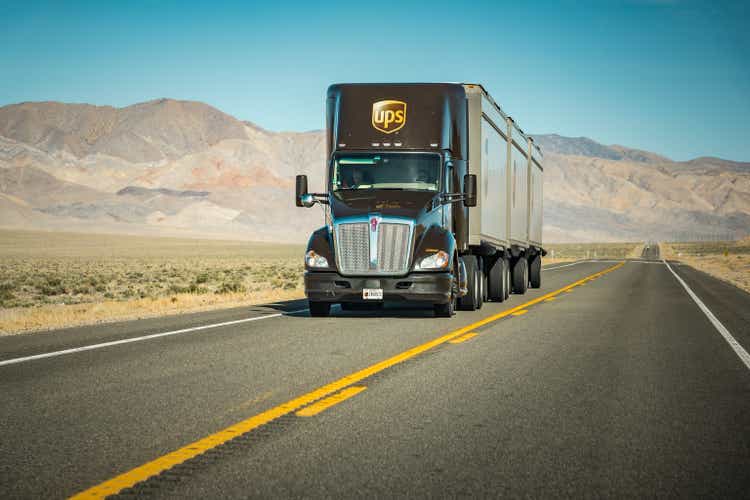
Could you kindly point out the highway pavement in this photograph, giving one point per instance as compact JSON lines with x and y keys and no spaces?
{"x":609,"y":381}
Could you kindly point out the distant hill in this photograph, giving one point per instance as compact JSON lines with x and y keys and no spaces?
{"x":185,"y":168}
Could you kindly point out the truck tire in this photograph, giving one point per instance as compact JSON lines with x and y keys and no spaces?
{"x":497,"y":281}
{"x":520,"y":275}
{"x":535,"y":271}
{"x":506,"y":277}
{"x":485,"y":280}
{"x":446,"y":310}
{"x":470,"y":301}
{"x":482,"y":282}
{"x":320,"y":309}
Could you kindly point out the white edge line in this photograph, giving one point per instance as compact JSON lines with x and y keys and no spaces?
{"x":564,"y":265}
{"x":144,"y":337}
{"x":738,"y":349}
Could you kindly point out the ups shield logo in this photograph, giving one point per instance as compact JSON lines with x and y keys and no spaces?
{"x":388,"y":116}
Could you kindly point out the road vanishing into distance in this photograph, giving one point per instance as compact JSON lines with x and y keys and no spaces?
{"x":616,"y":378}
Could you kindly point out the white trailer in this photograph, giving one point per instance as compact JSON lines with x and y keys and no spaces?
{"x":509,"y":171}
{"x":508,"y":216}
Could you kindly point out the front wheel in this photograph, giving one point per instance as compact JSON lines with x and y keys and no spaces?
{"x":446,"y":310}
{"x":320,"y":309}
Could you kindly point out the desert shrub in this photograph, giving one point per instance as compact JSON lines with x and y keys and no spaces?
{"x":193,"y":288}
{"x":230,"y":287}
{"x":6,"y":292}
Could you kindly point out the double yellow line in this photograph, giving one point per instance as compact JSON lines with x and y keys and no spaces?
{"x":166,"y":462}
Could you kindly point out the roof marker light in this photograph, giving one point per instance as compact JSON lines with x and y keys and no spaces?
{"x":433,"y":144}
{"x":375,"y":144}
{"x":397,"y":144}
{"x":342,"y":145}
{"x":386,"y":144}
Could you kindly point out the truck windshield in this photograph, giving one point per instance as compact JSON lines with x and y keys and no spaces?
{"x":412,"y":171}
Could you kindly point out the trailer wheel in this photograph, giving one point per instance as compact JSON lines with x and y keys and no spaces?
{"x":473,"y":297}
{"x":481,"y":282}
{"x":535,"y":271}
{"x":507,"y":279}
{"x":485,"y":281}
{"x":497,"y":281}
{"x":520,"y":276}
{"x":320,"y":309}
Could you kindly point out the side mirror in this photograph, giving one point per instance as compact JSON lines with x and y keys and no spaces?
{"x":470,"y":190}
{"x":301,"y":190}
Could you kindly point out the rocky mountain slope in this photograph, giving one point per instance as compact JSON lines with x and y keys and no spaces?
{"x":184,"y":168}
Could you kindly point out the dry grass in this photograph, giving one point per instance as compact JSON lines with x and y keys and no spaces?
{"x":726,"y":260}
{"x":52,"y":280}
{"x":566,"y":252}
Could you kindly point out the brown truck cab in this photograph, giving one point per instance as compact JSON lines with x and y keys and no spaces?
{"x":398,"y":198}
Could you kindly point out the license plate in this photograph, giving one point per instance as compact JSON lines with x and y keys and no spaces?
{"x":372,"y":294}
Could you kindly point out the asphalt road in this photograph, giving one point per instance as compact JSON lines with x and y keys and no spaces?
{"x":621,"y":386}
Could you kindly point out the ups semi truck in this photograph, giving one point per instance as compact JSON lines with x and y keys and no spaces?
{"x":433,"y":194}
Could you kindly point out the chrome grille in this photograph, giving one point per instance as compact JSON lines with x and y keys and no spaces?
{"x":353,"y":249}
{"x":373,"y":245}
{"x":393,"y":247}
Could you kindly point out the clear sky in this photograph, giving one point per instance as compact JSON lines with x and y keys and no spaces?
{"x":671,"y":77}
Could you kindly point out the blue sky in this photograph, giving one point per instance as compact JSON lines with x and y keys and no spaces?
{"x":666,"y":76}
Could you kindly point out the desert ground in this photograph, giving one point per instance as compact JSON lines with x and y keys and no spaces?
{"x":55,"y":279}
{"x":727,"y":260}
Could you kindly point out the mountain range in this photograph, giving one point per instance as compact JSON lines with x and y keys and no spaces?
{"x":184,"y":168}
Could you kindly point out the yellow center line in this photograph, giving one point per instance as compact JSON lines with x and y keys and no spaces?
{"x":463,"y":338}
{"x":141,"y":473}
{"x":521,"y":312}
{"x":550,"y":299}
{"x":324,"y":404}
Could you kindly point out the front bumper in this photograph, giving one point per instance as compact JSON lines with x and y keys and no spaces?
{"x":434,"y":288}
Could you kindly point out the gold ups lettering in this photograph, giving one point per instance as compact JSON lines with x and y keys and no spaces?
{"x":388,"y":116}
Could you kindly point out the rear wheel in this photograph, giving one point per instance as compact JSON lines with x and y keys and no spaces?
{"x":320,"y":309}
{"x":535,"y":271}
{"x":485,"y":281}
{"x":473,"y":297}
{"x":497,"y":281}
{"x":482,"y":283}
{"x":520,"y":275}
{"x":506,"y":277}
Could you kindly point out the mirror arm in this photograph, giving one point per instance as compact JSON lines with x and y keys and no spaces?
{"x":452,"y":197}
{"x":320,"y":198}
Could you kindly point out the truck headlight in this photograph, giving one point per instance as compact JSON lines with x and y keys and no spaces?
{"x":312,"y":259}
{"x":438,"y":260}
